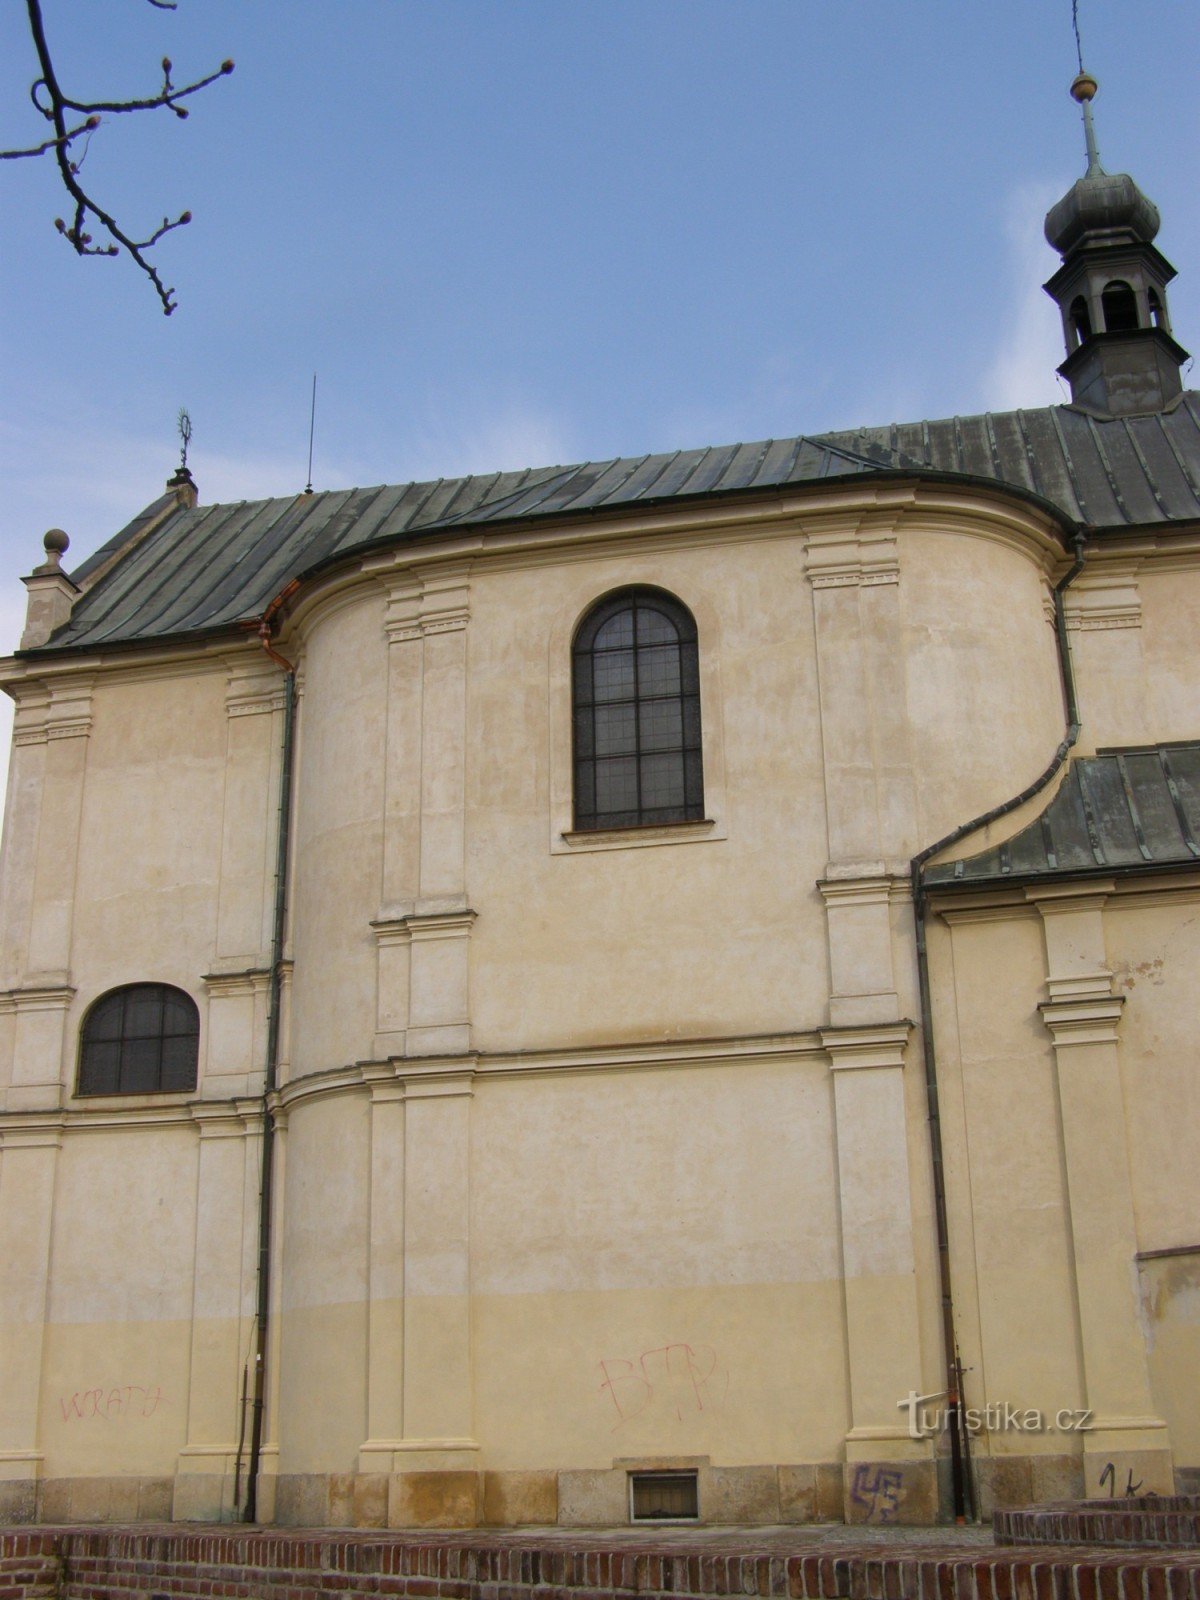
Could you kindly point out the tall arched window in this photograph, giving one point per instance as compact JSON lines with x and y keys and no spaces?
{"x":636,"y":696}
{"x":142,"y":1039}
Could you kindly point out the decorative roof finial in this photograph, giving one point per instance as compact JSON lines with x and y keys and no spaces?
{"x":56,"y":545}
{"x":1084,"y":89}
{"x":181,"y":482}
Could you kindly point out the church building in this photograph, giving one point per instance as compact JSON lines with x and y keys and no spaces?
{"x":655,"y":989}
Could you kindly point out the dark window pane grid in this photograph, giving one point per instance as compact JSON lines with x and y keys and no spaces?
{"x":637,"y":752}
{"x":143,"y":1039}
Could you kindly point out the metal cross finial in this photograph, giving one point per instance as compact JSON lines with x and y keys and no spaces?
{"x":185,"y":434}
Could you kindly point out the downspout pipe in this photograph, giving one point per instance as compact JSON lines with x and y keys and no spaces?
{"x":265,"y":1192}
{"x":963,"y":1489}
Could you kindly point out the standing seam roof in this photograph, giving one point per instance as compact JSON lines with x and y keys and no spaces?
{"x":212,"y":567}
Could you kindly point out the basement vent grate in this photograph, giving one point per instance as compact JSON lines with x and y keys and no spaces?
{"x":663,"y":1497}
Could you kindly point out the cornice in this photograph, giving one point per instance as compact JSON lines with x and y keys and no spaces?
{"x":250,"y":980}
{"x":48,"y":996}
{"x":1083,"y":1021}
{"x":871,"y":513}
{"x":409,"y":1072}
{"x":211,"y":1118}
{"x":863,"y":1046}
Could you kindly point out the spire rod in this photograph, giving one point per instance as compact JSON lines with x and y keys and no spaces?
{"x":1083,"y":89}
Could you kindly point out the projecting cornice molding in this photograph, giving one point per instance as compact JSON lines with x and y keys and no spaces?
{"x":58,"y":708}
{"x":1085,"y":1021}
{"x":34,"y":996}
{"x":880,"y":1045}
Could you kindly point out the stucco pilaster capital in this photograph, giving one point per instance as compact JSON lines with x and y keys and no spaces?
{"x":225,"y":1119}
{"x":855,"y":556}
{"x":246,"y":980}
{"x":453,"y":1077}
{"x":54,"y":708}
{"x":1105,"y":595}
{"x":22,"y":1131}
{"x":253,"y":686}
{"x":39,"y":992}
{"x":877,"y":1045}
{"x":1070,"y":899}
{"x":1089,"y":1020}
{"x":866,"y":884}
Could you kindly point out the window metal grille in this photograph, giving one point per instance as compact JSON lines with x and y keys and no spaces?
{"x":142,"y":1039}
{"x":636,"y":696}
{"x":663,"y":1497}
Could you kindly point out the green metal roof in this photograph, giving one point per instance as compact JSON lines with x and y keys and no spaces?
{"x":1120,"y":811}
{"x":209,"y":569}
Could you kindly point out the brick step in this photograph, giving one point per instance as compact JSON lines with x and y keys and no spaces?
{"x":124,"y":1564}
{"x":1164,"y":1520}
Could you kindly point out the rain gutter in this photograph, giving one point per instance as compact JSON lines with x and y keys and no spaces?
{"x":963,"y":1489}
{"x":270,"y":1077}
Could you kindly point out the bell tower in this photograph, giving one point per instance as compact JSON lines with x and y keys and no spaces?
{"x":1112,"y":288}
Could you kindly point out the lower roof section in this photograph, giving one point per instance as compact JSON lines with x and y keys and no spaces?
{"x":1136,"y":808}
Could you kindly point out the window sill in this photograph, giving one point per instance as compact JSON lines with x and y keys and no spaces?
{"x":708,"y":828}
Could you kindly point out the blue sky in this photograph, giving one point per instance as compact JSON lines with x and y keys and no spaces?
{"x":510,"y":232}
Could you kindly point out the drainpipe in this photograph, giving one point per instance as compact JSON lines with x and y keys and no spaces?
{"x":283,"y":828}
{"x":960,"y":1454}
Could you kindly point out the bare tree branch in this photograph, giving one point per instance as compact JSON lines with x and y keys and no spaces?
{"x":52,"y":103}
{"x":49,"y":144}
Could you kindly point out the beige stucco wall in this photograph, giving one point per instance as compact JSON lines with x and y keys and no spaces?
{"x":591,"y":1150}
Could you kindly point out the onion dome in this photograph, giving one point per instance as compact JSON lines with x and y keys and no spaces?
{"x":1106,"y":203}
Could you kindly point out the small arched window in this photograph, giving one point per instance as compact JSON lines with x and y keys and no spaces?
{"x":636,"y":699}
{"x":1120,"y":307}
{"x":1080,"y":321}
{"x":142,"y":1039}
{"x":1158,"y":314}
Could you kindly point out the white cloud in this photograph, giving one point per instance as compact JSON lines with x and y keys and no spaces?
{"x":460,"y":437}
{"x":1029,"y":342}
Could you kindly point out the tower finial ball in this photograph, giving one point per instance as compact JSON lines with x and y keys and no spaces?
{"x":56,"y":542}
{"x":1084,"y":87}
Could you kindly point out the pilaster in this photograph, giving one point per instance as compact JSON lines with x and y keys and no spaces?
{"x":385,"y":1268}
{"x":878,"y":1270}
{"x":222,"y":1303}
{"x":444,"y":616}
{"x":1082,"y":1015}
{"x":50,"y":741}
{"x":862,"y":984}
{"x":65,"y":725}
{"x":854,"y":573}
{"x":423,"y":929}
{"x":39,"y":1048}
{"x":236,"y":1035}
{"x":438,"y":1412}
{"x":254,"y":695}
{"x":28,"y":1163}
{"x":1103,"y":612}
